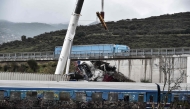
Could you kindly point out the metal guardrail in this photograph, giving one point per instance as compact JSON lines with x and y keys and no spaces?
{"x":23,"y":56}
{"x":27,"y":55}
{"x":159,"y":51}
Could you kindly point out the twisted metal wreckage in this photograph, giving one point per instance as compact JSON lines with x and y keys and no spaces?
{"x":97,"y":71}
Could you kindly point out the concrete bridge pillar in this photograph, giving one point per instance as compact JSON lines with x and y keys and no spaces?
{"x":150,"y":69}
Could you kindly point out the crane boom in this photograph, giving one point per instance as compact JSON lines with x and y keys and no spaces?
{"x":69,"y":38}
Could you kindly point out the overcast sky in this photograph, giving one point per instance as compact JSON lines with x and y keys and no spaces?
{"x":59,"y":11}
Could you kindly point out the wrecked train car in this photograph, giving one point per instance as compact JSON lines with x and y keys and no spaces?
{"x":95,"y":48}
{"x":97,"y":71}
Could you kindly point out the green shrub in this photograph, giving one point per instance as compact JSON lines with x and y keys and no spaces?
{"x":1,"y":68}
{"x":33,"y":65}
{"x":5,"y":68}
{"x":23,"y":68}
{"x":14,"y":67}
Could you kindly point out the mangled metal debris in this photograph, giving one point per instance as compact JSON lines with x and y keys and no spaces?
{"x":97,"y":71}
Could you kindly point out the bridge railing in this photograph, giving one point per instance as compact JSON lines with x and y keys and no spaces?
{"x":159,"y":51}
{"x":27,"y":55}
{"x":133,"y":52}
{"x":98,"y":55}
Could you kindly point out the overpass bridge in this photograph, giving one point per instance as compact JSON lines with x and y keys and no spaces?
{"x":138,"y":64}
{"x":142,"y":53}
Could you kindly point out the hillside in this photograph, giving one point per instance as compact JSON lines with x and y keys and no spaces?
{"x":10,"y":31}
{"x":153,"y":32}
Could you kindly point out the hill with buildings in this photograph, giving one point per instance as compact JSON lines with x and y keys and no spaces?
{"x":169,"y":30}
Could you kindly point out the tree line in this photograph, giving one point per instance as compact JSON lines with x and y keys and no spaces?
{"x":155,"y":32}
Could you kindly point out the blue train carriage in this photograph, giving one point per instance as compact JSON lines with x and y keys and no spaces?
{"x":51,"y":93}
{"x":180,"y":96}
{"x":121,"y":49}
{"x":96,"y":48}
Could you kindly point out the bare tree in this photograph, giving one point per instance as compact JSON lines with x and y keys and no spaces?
{"x":167,"y":65}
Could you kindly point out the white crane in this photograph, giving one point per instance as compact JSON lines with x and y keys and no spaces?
{"x":65,"y":52}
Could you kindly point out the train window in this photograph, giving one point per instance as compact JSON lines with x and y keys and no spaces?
{"x":183,"y":97}
{"x":15,"y":95}
{"x":151,"y":98}
{"x":126,"y":98}
{"x":80,"y":96}
{"x":123,"y":51}
{"x":31,"y":95}
{"x":48,"y":96}
{"x":164,"y":97}
{"x":188,"y":98}
{"x":141,"y":98}
{"x":97,"y":96}
{"x":132,"y":97}
{"x":1,"y":95}
{"x":176,"y":98}
{"x":113,"y":97}
{"x":64,"y":96}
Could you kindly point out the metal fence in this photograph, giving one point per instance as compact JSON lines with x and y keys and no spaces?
{"x":31,"y":76}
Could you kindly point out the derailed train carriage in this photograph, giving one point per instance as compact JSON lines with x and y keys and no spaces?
{"x":95,"y":49}
{"x":69,"y":94}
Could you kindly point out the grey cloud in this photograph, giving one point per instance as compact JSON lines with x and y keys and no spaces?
{"x":185,"y":3}
{"x":59,"y":11}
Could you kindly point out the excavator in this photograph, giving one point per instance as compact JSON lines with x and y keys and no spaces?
{"x":86,"y":70}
